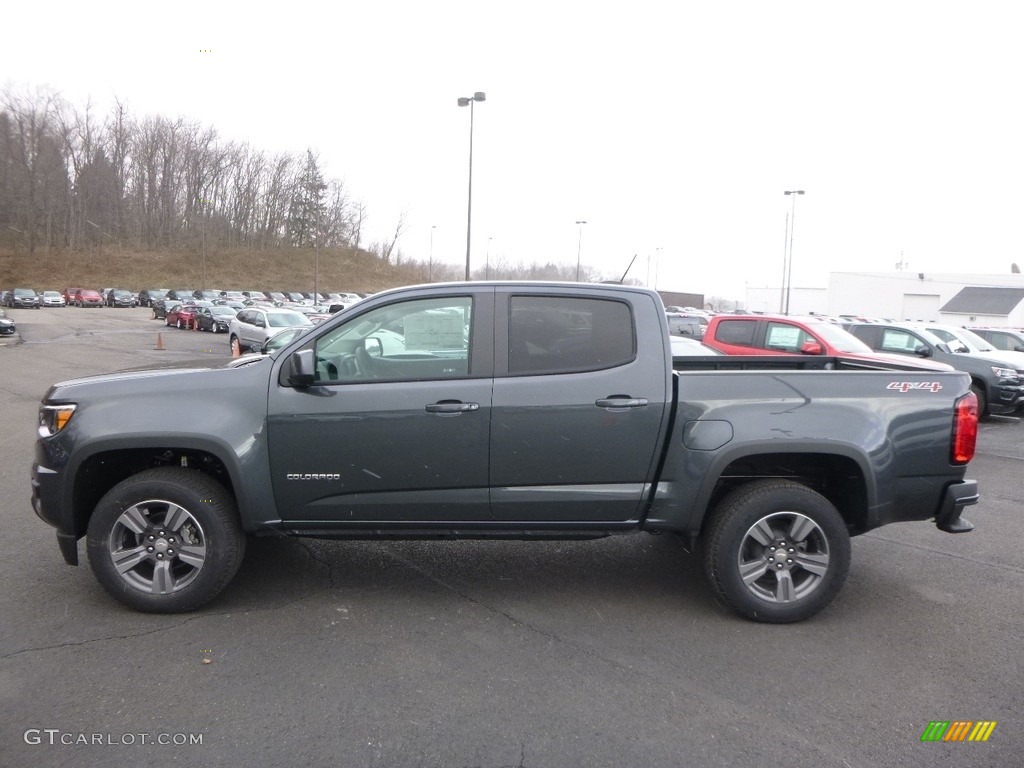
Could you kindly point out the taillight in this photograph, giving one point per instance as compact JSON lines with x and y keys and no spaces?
{"x":965,"y":429}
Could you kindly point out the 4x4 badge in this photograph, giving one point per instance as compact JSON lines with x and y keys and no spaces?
{"x":906,"y":386}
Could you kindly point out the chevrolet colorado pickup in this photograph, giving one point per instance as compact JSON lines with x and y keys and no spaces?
{"x":501,"y":410}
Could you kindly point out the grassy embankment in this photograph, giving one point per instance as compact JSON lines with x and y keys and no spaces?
{"x":237,"y":269}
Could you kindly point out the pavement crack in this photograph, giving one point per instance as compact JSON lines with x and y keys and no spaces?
{"x":129,"y":636}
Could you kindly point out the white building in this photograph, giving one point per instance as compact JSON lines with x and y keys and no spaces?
{"x":953,"y":298}
{"x":957,"y":299}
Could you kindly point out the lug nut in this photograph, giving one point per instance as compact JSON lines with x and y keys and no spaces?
{"x":790,"y":561}
{"x":792,"y":550}
{"x":171,"y":552}
{"x":772,"y":548}
{"x":160,"y":556}
{"x":152,"y":538}
{"x":779,"y":566}
{"x":149,"y":549}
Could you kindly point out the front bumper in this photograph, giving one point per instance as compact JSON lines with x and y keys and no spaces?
{"x":46,"y":505}
{"x":1007,"y":398}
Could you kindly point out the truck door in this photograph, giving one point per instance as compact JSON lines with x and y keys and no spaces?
{"x":395,"y":428}
{"x":579,"y":404}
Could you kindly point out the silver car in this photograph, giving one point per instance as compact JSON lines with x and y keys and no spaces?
{"x":254,"y":325}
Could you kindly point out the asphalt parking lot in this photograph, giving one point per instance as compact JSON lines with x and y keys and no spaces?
{"x":530,"y":654}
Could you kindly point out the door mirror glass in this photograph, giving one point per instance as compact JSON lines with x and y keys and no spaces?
{"x":373,"y":346}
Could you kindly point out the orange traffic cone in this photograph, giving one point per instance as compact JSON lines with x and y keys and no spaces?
{"x":159,"y":341}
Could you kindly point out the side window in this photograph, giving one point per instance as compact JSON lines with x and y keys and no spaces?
{"x":789,"y":338}
{"x":416,"y":340}
{"x":558,"y":334}
{"x":1004,"y":341}
{"x":899,"y":341}
{"x":736,"y":332}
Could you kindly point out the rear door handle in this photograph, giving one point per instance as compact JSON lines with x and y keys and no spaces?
{"x":616,"y":402}
{"x":452,"y":406}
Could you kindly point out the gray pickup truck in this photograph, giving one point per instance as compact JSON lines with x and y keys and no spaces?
{"x":501,"y":410}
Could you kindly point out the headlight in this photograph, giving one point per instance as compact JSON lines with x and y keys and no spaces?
{"x":1005,"y":373}
{"x":53,"y":418}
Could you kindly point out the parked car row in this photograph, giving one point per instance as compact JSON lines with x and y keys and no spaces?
{"x":997,"y":373}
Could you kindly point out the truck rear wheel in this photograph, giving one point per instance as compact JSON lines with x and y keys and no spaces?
{"x":776,"y":551}
{"x":165,"y":540}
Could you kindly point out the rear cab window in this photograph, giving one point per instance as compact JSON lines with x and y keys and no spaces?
{"x":564,"y":334}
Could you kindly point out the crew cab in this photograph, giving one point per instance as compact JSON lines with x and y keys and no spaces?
{"x":501,"y":410}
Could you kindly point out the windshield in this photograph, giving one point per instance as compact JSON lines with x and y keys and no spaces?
{"x":286,"y":319}
{"x":974,"y":341}
{"x":842,"y":340}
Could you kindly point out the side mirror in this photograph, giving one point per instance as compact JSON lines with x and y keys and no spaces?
{"x":373,"y":347}
{"x":810,"y":348}
{"x":1019,"y":348}
{"x":302,"y":371}
{"x":923,"y":351}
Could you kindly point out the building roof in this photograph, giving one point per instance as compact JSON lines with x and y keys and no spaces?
{"x":984,"y":300}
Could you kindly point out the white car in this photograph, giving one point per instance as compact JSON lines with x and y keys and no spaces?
{"x":52,"y":299}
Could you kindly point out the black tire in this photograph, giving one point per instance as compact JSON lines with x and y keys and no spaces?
{"x":174,"y":533}
{"x":180,"y":324}
{"x":979,"y":392}
{"x":757,"y":523}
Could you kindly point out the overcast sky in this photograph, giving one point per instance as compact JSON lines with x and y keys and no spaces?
{"x":670,"y":125}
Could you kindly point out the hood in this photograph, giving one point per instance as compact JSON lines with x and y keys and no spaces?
{"x":177,"y":376}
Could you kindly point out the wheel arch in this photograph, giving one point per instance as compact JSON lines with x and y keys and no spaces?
{"x":107,"y":464}
{"x":840,"y":473}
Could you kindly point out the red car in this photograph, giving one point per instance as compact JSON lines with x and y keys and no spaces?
{"x":788,"y":335}
{"x":86,"y":297}
{"x":184,"y":315}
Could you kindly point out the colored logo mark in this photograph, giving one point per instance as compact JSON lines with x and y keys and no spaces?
{"x":958,"y":730}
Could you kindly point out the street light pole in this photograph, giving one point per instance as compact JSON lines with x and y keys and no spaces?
{"x":430,"y":267}
{"x":785,"y":262}
{"x":487,"y":260}
{"x":469,"y":101}
{"x":792,"y":226}
{"x":579,"y":243}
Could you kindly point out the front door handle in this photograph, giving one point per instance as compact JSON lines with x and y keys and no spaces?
{"x":452,"y":406}
{"x":617,"y":402}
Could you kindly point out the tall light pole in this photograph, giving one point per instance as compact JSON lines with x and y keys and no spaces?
{"x":785,"y":263}
{"x":579,"y":243}
{"x":469,"y":101}
{"x":487,"y":260}
{"x":792,"y":225}
{"x":430,"y":266}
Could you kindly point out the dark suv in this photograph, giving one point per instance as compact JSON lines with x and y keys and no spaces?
{"x":997,"y":384}
{"x":24,"y":298}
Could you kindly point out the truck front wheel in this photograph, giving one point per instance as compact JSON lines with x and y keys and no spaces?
{"x":165,"y":540}
{"x":776,"y":551}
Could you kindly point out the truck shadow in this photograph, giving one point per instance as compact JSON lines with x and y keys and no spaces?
{"x":278,"y":571}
